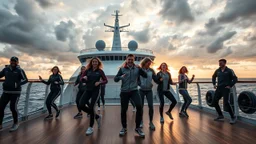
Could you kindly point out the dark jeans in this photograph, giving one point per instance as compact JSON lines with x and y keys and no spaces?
{"x":53,"y":95}
{"x":94,"y":96}
{"x":169,"y":95}
{"x":102,"y":94}
{"x":135,"y":97}
{"x":187,"y":100}
{"x":4,"y":100}
{"x":219,"y":93}
{"x":149,"y":96}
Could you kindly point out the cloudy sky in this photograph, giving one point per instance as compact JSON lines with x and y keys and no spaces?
{"x":195,"y":33}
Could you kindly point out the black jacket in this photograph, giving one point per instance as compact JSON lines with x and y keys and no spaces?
{"x":14,"y":78}
{"x":81,"y":87}
{"x":160,"y":83}
{"x":51,"y":81}
{"x":225,"y":78}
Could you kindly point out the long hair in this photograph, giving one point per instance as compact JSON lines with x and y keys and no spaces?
{"x":186,"y":70}
{"x":100,"y":64}
{"x":144,"y":61}
{"x":81,"y":69}
{"x":159,"y":68}
{"x":56,"y":68}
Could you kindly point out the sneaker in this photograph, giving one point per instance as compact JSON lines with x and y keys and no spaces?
{"x":89,"y":131}
{"x":78,"y":116}
{"x":141,"y":125}
{"x":186,"y":114}
{"x":123,"y":132}
{"x":169,"y":114}
{"x":219,"y":118}
{"x":57,"y":114}
{"x":182,"y":114}
{"x":14,"y":127}
{"x":140,"y":132}
{"x":152,"y":126}
{"x":50,"y":116}
{"x":233,"y":120}
{"x":98,"y":108}
{"x":99,"y":121}
{"x":134,"y":109}
{"x":162,"y":120}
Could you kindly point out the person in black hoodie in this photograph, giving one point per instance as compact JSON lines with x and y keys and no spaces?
{"x":15,"y":77}
{"x":81,"y":90}
{"x":226,"y":80}
{"x":94,"y":77}
{"x":163,"y":88}
{"x":55,"y":80}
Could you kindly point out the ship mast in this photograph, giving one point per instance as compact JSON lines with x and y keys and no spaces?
{"x":116,"y":45}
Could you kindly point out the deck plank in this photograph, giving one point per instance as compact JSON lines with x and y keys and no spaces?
{"x":199,"y":129}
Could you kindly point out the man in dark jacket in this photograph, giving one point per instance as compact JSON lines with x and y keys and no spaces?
{"x":129,"y":74}
{"x":226,"y":80}
{"x":15,"y":77}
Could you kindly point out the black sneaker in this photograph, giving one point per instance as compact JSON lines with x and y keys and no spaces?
{"x":152,"y":126}
{"x":182,"y":114}
{"x":78,"y":116}
{"x":186,"y":114}
{"x":123,"y":132}
{"x":50,"y":116}
{"x":141,"y":124}
{"x":140,"y":132}
{"x":219,"y":118}
{"x":57,"y":114}
{"x":169,"y":114}
{"x":233,"y":120}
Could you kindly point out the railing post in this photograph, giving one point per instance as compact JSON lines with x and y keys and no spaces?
{"x":25,"y":115}
{"x":199,"y":95}
{"x":45,"y":96}
{"x":177,"y":93}
{"x":61,"y":96}
{"x":236,"y":109}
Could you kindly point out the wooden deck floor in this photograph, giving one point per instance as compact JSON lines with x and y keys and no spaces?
{"x":198,"y":129}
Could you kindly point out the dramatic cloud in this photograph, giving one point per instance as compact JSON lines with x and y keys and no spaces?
{"x":237,"y":9}
{"x":212,"y":27}
{"x":177,"y":10}
{"x":218,"y":43}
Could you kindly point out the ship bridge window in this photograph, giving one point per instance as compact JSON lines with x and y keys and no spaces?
{"x":116,"y":57}
{"x":103,"y":58}
{"x":120,"y":58}
{"x":107,"y":58}
{"x":111,"y":57}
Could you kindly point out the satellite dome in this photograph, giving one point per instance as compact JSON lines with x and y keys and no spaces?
{"x":132,"y":45}
{"x":100,"y":45}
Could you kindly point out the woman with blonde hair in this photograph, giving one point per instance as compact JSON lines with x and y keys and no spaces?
{"x":55,"y":80}
{"x":163,"y":88}
{"x":146,"y":88}
{"x":183,"y":81}
{"x":94,"y":77}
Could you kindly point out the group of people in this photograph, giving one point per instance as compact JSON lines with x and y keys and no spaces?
{"x":91,"y":84}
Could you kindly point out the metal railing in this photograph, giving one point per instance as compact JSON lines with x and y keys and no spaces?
{"x":110,"y":49}
{"x":68,"y":93}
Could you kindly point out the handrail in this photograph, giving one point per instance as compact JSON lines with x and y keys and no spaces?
{"x":110,"y":49}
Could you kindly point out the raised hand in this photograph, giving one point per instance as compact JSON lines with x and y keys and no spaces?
{"x":40,"y":78}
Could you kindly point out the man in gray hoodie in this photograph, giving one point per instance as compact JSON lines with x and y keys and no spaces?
{"x":146,"y":88}
{"x":129,"y":74}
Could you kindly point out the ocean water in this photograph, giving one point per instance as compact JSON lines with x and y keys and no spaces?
{"x":37,"y":96}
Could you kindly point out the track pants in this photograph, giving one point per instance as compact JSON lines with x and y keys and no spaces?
{"x":169,"y":95}
{"x":53,"y":95}
{"x":149,"y":96}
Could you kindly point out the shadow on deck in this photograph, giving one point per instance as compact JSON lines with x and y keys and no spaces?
{"x":199,"y":129}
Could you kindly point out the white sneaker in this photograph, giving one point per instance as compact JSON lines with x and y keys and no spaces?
{"x":98,"y":108}
{"x":99,"y":121}
{"x":89,"y":131}
{"x":14,"y":127}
